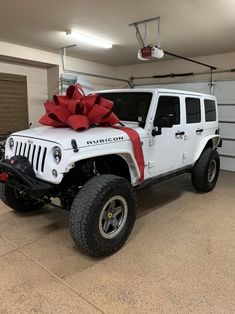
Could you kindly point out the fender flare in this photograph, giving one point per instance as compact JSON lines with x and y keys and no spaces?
{"x":215,"y":140}
{"x":126,"y":155}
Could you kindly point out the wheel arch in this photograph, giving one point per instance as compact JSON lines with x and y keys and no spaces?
{"x":208,"y":141}
{"x":117,"y":164}
{"x":122,"y":164}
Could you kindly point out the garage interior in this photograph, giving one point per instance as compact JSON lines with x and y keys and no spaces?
{"x":180,"y":257}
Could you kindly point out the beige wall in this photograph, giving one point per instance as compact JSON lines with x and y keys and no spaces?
{"x":53,"y":81}
{"x":36,"y":87}
{"x":44,"y":82}
{"x":75,"y":64}
{"x":222,"y":61}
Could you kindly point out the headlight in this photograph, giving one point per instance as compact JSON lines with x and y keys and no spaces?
{"x":11,"y":143}
{"x":57,"y":154}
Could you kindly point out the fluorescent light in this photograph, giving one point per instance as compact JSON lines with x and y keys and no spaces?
{"x":89,"y":40}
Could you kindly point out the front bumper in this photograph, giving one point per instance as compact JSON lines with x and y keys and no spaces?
{"x":21,"y":181}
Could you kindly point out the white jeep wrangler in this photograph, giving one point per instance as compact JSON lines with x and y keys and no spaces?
{"x":94,"y":173}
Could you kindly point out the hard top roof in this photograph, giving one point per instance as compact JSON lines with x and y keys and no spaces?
{"x":154,"y":90}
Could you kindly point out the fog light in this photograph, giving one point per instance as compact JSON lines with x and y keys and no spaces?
{"x":54,"y":173}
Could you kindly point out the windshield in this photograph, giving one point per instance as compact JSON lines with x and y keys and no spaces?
{"x":130,"y":106}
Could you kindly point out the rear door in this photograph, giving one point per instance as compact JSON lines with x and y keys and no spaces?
{"x":194,"y":122}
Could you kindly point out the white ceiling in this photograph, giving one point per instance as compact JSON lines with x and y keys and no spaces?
{"x":188,"y":27}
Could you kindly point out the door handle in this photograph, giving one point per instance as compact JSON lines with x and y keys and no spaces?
{"x":199,"y":131}
{"x":179,"y":133}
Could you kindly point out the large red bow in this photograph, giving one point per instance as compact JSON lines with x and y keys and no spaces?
{"x":80,"y":112}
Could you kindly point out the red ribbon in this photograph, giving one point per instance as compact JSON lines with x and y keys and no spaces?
{"x":4,"y":177}
{"x":137,"y":148}
{"x":80,"y":112}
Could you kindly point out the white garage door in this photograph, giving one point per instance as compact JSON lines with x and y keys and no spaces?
{"x":225,"y":93}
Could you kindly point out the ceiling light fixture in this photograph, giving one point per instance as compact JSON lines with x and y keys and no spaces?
{"x":89,"y":40}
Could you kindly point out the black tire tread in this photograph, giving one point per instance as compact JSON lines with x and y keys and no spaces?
{"x":199,"y":173}
{"x":81,"y":211}
{"x":3,"y":194}
{"x":19,"y":205}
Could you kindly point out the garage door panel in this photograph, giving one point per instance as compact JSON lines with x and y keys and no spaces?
{"x":13,"y":103}
{"x":226,"y":113}
{"x":227,"y":163}
{"x":225,"y":91}
{"x":8,"y":95}
{"x":228,"y":148}
{"x":227,"y":130}
{"x":17,"y":118}
{"x":200,"y":87}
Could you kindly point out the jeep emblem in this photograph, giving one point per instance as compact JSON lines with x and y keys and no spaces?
{"x":29,"y":141}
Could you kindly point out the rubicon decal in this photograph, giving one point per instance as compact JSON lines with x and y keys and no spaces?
{"x":106,"y":140}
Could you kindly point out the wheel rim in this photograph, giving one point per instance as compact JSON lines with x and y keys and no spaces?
{"x":212,"y":170}
{"x":113,"y":217}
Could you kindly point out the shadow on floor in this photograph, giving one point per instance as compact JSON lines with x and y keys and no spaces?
{"x":150,"y":198}
{"x":155,"y":196}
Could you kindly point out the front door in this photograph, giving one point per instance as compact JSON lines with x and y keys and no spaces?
{"x":166,"y":149}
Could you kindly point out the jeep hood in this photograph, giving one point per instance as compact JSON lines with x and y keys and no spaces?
{"x":63,"y":136}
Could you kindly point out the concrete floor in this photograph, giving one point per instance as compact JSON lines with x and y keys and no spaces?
{"x":180,"y":258}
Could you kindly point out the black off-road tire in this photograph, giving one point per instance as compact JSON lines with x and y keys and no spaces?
{"x":86,"y":210}
{"x":200,"y":174}
{"x":13,"y":199}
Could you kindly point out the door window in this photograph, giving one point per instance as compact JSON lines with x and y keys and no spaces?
{"x":210,"y":112}
{"x":169,"y":105}
{"x":193,"y":110}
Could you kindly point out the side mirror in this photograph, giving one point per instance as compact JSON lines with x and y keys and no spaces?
{"x":164,"y":121}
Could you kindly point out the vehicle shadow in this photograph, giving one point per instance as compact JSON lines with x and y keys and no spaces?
{"x":150,"y":198}
{"x":153,"y":197}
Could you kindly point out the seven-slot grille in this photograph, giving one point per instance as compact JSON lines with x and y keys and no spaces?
{"x":36,"y":154}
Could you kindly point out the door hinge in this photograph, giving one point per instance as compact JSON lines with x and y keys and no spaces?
{"x":185,"y":155}
{"x":151,"y":164}
{"x":151,"y":141}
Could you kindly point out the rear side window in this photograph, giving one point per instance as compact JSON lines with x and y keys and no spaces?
{"x":193,"y":110}
{"x":210,"y":111}
{"x":169,"y":105}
